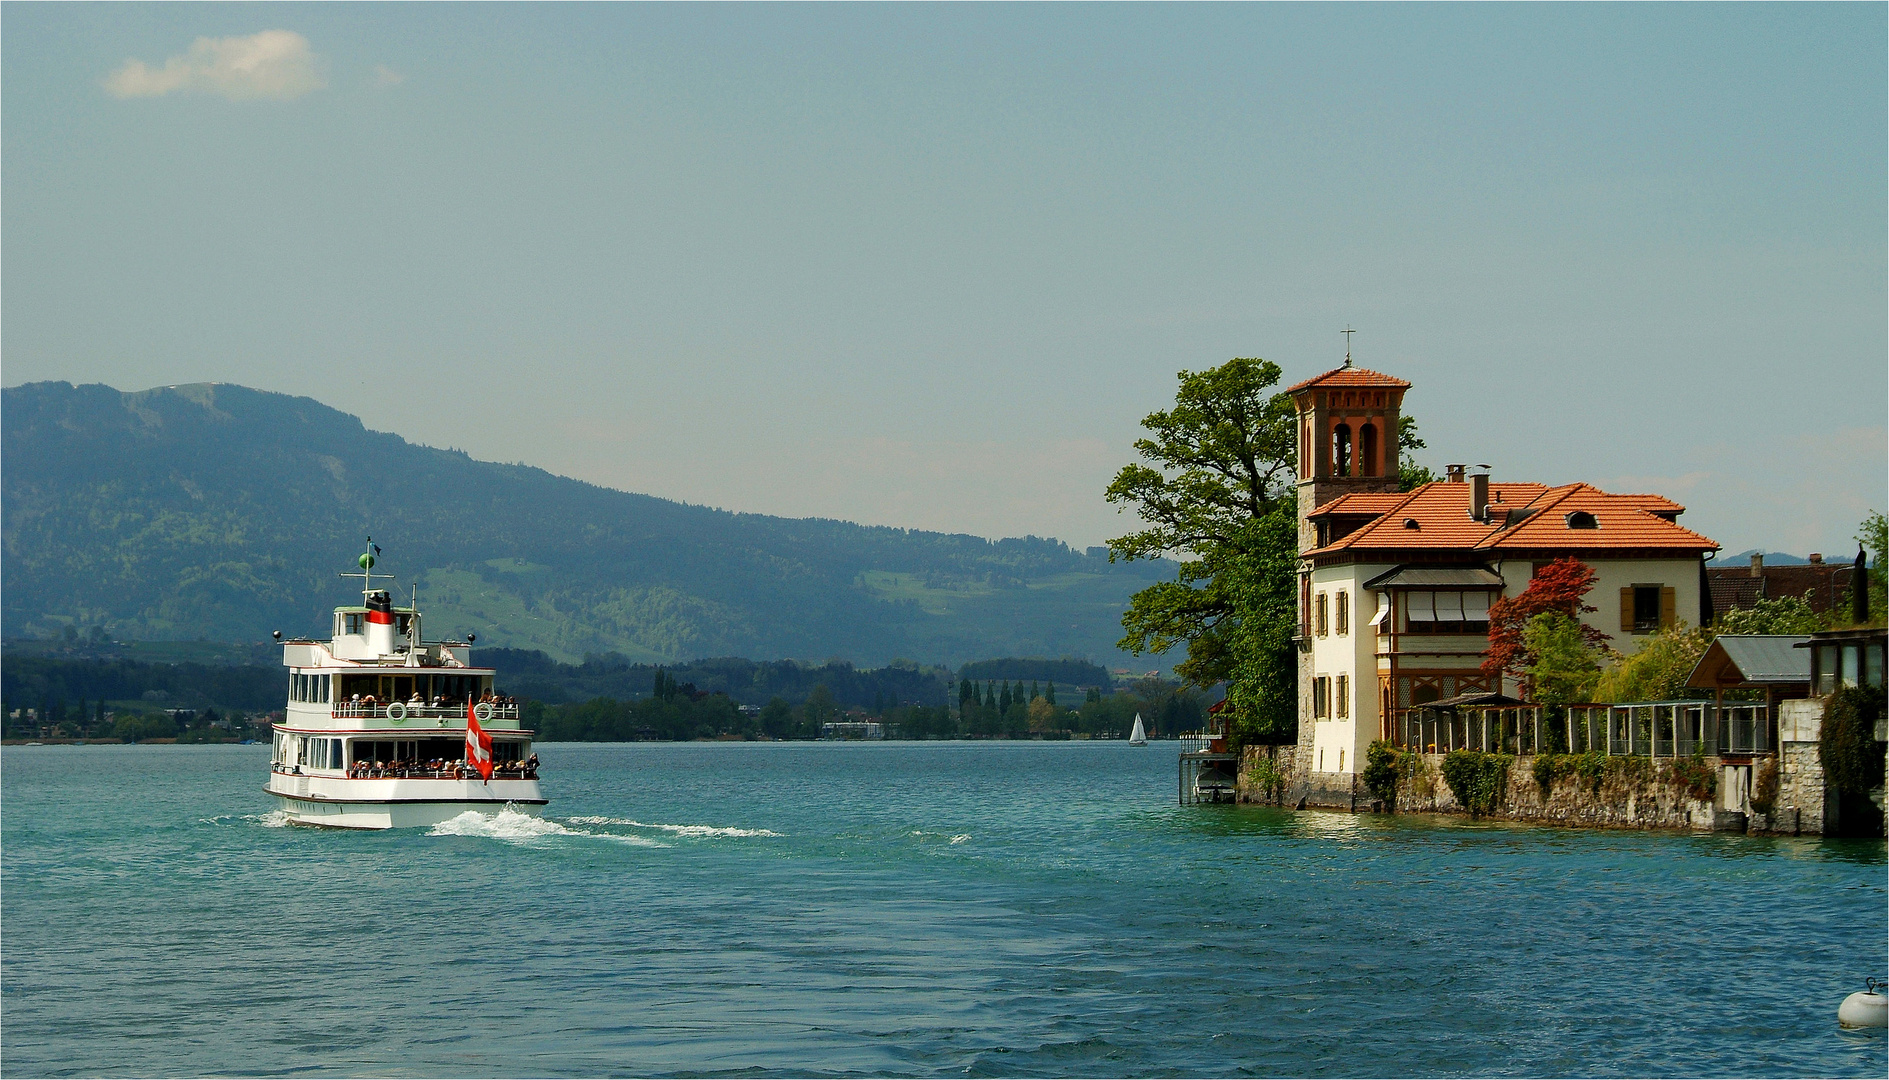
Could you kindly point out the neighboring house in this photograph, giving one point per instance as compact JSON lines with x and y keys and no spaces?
{"x":1395,"y":588}
{"x":1820,"y":584}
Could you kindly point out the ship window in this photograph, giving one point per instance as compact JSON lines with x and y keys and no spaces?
{"x":352,"y":621}
{"x":326,"y":687}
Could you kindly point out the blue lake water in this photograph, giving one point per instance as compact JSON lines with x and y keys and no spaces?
{"x":973,"y":909}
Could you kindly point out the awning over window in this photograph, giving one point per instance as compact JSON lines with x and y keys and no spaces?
{"x":1383,"y":609}
{"x":1445,"y":606}
{"x":1437,"y":577}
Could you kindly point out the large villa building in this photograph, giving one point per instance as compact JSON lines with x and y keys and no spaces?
{"x":1395,"y":587}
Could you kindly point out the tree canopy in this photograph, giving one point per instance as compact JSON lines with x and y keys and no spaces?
{"x":1217,"y":463}
{"x":1214,"y":487}
{"x":1557,"y":587}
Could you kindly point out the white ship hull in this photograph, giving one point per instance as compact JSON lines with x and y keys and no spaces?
{"x":343,"y":803}
{"x":383,"y":729}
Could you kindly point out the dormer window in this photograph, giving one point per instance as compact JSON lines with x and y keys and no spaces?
{"x":1581,"y":519}
{"x":1411,"y":523}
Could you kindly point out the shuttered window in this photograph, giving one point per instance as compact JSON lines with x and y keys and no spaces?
{"x":1344,"y":613}
{"x":1324,"y":616}
{"x":1646,"y":608}
{"x":1344,"y":696}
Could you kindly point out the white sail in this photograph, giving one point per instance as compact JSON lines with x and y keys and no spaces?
{"x":1139,"y":736}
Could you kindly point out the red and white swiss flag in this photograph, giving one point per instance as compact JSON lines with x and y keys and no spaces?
{"x":478,"y":744}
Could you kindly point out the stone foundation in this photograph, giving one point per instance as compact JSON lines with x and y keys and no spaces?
{"x":1632,"y":793}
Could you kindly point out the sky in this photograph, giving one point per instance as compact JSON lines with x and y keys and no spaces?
{"x":929,"y":266}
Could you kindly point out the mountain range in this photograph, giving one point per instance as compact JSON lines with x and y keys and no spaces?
{"x":220,"y":513}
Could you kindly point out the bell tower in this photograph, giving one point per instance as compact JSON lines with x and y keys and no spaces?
{"x":1347,"y":445}
{"x":1347,"y":437}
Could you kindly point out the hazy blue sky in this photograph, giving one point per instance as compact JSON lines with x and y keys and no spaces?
{"x":929,"y":266}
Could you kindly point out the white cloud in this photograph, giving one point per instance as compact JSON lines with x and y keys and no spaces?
{"x":273,"y":64}
{"x":385,"y":76}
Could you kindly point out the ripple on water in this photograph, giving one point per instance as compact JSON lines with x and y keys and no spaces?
{"x":916,"y":909}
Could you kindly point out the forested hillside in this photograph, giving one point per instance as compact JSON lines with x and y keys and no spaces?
{"x":222,"y":513}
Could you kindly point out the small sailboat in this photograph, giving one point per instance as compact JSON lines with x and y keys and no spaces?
{"x":1139,"y":736}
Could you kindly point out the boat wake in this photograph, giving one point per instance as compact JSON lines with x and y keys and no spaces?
{"x":514,"y":827}
{"x":690,"y":831}
{"x":951,"y":838}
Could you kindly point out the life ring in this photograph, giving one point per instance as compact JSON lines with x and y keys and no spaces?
{"x":397,"y":712}
{"x":483,"y":712}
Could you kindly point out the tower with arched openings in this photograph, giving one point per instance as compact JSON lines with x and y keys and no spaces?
{"x":1347,"y":438}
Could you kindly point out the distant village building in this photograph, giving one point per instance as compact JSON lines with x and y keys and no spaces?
{"x":1821,"y":585}
{"x":1395,"y":587}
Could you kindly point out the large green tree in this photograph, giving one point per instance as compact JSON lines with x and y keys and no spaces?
{"x":1213,"y":489}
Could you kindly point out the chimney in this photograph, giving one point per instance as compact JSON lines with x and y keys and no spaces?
{"x":1479,"y":496}
{"x":1455,"y":472}
{"x":1757,"y":564}
{"x":1816,"y":558}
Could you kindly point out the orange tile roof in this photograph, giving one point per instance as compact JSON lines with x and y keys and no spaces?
{"x":1537,"y":519}
{"x":1350,"y":376}
{"x":1361,"y":502}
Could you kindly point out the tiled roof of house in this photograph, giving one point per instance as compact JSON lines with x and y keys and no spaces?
{"x":1350,"y":376}
{"x":1821,"y":585}
{"x":1731,"y":591}
{"x":1361,"y":502}
{"x":1522,"y":516}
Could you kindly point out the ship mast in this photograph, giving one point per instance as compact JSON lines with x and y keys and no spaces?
{"x":366,"y":561}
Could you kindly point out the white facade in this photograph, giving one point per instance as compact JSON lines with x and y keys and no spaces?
{"x":1349,"y":644}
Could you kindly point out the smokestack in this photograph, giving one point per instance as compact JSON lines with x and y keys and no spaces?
{"x":1455,"y":473}
{"x":1757,"y":565}
{"x":1479,"y":496}
{"x":380,"y":624}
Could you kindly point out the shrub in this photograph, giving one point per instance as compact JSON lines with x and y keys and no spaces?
{"x":1566,"y":667}
{"x":1658,"y":670}
{"x":1382,"y":770}
{"x":1851,"y":757}
{"x":1552,"y":767}
{"x":1764,"y":787}
{"x":1266,"y":775}
{"x":1783,"y":615}
{"x":1693,"y":776}
{"x":1591,"y":767}
{"x":1476,"y":779}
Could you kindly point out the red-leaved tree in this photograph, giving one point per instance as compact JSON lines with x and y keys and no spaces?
{"x":1559,"y":586}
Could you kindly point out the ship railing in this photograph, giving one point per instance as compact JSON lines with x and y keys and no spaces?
{"x":396,"y":710}
{"x":362,"y":770}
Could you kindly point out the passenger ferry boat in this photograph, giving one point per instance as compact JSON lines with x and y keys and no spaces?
{"x":386,"y":730}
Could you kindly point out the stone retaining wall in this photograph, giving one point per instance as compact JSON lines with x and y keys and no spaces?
{"x":1632,"y":793}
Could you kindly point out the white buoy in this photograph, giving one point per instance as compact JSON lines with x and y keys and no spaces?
{"x":1865,"y":1008}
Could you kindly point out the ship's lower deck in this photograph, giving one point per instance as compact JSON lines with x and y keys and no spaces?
{"x":396,"y":803}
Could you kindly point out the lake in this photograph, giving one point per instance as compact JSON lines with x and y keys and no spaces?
{"x":1041,"y":909}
